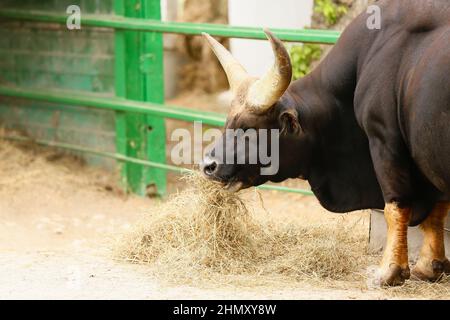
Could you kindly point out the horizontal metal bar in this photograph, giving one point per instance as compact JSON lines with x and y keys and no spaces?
{"x":121,"y":157}
{"x":119,"y":104}
{"x":285,"y":189}
{"x":110,"y":155}
{"x":304,"y":35}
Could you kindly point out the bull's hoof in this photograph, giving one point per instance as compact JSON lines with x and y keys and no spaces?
{"x":394,"y":275}
{"x":431,"y":270}
{"x":447,"y":267}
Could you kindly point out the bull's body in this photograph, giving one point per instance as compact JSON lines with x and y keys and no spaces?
{"x":368,"y":128}
{"x":379,"y":107}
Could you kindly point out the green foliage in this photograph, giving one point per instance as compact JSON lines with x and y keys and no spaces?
{"x":302,"y":56}
{"x":330,"y":10}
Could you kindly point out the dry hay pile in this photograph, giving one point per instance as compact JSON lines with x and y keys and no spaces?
{"x":207,"y":233}
{"x":27,"y":167}
{"x":421,"y":290}
{"x":24,"y":165}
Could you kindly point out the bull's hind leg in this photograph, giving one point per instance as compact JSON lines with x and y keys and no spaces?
{"x":394,"y":265}
{"x":432,"y":263}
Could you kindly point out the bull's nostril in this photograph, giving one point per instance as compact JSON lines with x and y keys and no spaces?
{"x":210,"y":168}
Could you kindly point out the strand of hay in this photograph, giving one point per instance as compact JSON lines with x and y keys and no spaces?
{"x":207,"y":233}
{"x":421,"y":290}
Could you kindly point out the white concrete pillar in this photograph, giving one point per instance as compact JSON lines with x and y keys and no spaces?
{"x":169,"y":10}
{"x":256,"y":55}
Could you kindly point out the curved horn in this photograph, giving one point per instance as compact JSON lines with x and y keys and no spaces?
{"x":236,"y":73}
{"x":265,"y":92}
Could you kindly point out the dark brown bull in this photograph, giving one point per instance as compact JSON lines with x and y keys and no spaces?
{"x":368,"y":128}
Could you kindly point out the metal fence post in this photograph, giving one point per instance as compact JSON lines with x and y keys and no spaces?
{"x":139,"y":76}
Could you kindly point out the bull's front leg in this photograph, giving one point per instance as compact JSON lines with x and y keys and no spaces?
{"x":392,"y":167}
{"x":432,"y":262}
{"x":394,"y":267}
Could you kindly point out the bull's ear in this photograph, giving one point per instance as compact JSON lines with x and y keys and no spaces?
{"x":289,"y":123}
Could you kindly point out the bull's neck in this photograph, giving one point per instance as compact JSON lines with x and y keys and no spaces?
{"x":324,"y":103}
{"x":325,"y":92}
{"x":315,"y":105}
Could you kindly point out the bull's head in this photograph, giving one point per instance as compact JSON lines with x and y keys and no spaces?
{"x":258,"y":104}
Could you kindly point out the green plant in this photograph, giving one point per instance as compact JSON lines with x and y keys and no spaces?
{"x":302,"y":57}
{"x":330,"y":10}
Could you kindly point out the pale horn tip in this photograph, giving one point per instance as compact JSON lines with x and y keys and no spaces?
{"x":207,"y":36}
{"x":268,"y":33}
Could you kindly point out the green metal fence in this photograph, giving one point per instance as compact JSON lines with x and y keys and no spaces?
{"x":139,"y":86}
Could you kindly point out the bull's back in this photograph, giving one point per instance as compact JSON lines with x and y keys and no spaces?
{"x":426,"y":109}
{"x":404,"y":77}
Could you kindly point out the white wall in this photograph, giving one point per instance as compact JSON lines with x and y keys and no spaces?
{"x":255,"y":55}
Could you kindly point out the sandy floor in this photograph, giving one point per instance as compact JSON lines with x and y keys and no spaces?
{"x":58,"y":220}
{"x":92,"y":275}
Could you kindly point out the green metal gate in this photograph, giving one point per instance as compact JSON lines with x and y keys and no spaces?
{"x":129,"y":35}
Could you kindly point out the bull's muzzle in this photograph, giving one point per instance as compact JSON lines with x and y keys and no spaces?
{"x":209,"y":167}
